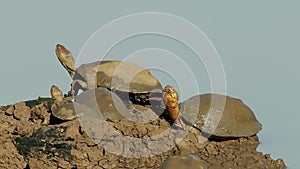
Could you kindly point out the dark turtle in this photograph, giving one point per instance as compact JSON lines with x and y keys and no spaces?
{"x":215,"y":114}
{"x":183,"y":162}
{"x":121,"y":77}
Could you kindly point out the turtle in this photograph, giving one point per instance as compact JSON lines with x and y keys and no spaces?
{"x":63,"y":107}
{"x":170,"y":100}
{"x":58,"y":97}
{"x":214,"y":114}
{"x":97,"y":103}
{"x":183,"y":162}
{"x":125,"y":78}
{"x":106,"y":105}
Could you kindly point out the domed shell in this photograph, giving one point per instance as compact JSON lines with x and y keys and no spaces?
{"x":65,"y":112}
{"x":96,"y":103}
{"x":183,"y":162}
{"x":220,"y":115}
{"x":104,"y":104}
{"x":117,"y":75}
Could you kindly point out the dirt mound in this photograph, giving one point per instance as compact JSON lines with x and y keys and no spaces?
{"x":31,"y":138}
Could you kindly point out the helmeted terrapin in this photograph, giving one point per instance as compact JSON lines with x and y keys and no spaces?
{"x":105,"y":104}
{"x":98,"y":103}
{"x":63,"y":107}
{"x":216,"y":115}
{"x":183,"y":162}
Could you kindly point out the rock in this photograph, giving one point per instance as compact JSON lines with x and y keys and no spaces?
{"x":40,"y":114}
{"x":9,"y":155}
{"x":24,"y":128}
{"x":22,"y":112}
{"x":2,"y":111}
{"x":10,"y":110}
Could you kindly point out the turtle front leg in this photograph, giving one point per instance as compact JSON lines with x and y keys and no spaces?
{"x":76,"y":85}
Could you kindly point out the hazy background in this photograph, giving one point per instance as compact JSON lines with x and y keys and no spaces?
{"x":258,"y":43}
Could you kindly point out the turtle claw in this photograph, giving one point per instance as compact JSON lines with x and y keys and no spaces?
{"x":180,"y":123}
{"x":74,"y":87}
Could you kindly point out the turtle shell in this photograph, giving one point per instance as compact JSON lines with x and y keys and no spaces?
{"x":117,"y":75}
{"x":96,"y":103}
{"x":220,"y":115}
{"x":65,"y":111}
{"x":183,"y":162}
{"x":105,"y":104}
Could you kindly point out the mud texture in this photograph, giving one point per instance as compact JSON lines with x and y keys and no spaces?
{"x":31,"y":138}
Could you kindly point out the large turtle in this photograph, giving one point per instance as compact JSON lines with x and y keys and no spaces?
{"x":213,"y":114}
{"x":105,"y":104}
{"x":125,"y":78}
{"x":98,"y":103}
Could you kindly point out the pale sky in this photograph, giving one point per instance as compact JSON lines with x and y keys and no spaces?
{"x":257,"y":41}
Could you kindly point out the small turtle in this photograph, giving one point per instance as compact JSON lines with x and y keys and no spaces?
{"x":208,"y":113}
{"x":63,"y":107}
{"x":58,"y":97}
{"x":123,"y":77}
{"x":183,"y":162}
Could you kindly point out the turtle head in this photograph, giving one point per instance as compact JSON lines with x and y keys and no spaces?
{"x":56,"y":94}
{"x":170,"y":94}
{"x":66,"y":59}
{"x":170,"y":97}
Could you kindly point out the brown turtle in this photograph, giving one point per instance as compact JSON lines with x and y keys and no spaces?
{"x":183,"y":162}
{"x":63,"y":107}
{"x":214,"y":114}
{"x":106,"y":105}
{"x":126,"y":78}
{"x":98,"y":103}
{"x":170,"y":98}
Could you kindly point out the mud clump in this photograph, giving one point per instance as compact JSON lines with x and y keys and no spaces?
{"x":31,"y":139}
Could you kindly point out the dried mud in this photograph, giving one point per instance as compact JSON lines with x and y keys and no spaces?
{"x":32,"y":138}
